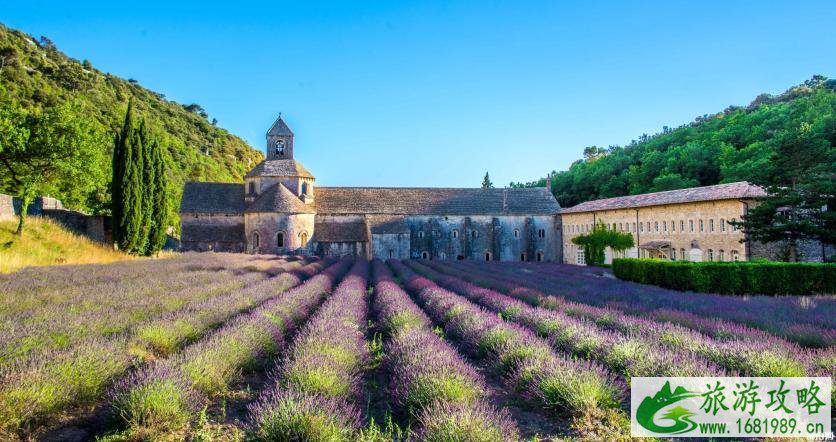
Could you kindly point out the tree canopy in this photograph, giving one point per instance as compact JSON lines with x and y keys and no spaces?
{"x":737,"y":144}
{"x":38,"y":81}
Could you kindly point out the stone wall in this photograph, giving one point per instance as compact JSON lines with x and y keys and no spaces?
{"x":212,"y":233}
{"x":390,"y":245}
{"x":94,"y":227}
{"x":7,"y":207}
{"x":495,"y":238}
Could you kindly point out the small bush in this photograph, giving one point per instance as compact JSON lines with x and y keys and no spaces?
{"x":733,"y":278}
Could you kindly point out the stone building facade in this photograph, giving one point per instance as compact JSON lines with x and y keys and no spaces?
{"x":278,"y":209}
{"x":687,"y":224}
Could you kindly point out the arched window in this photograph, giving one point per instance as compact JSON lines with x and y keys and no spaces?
{"x":673,"y":226}
{"x":522,"y":257}
{"x":735,"y":256}
{"x":722,"y":225}
{"x":421,"y":234}
{"x":673,"y":254}
{"x":280,"y":239}
{"x":442,"y":256}
{"x":656,"y":225}
{"x":711,"y":225}
{"x":425,"y":255}
{"x":516,"y":233}
{"x":279,"y":147}
{"x":664,"y":226}
{"x":455,"y":233}
{"x":304,"y":188}
{"x":682,"y":253}
{"x":252,"y":187}
{"x":702,"y":226}
{"x":540,"y":256}
{"x":488,"y":256}
{"x":733,"y":226}
{"x":710,"y":254}
{"x":541,"y":233}
{"x":681,"y":226}
{"x":722,"y":255}
{"x":256,"y":240}
{"x":691,"y":225}
{"x":303,"y":239}
{"x":474,"y":234}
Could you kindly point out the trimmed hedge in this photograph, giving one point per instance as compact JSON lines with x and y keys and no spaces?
{"x":733,"y":278}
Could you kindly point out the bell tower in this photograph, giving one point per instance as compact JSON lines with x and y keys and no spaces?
{"x":279,"y":141}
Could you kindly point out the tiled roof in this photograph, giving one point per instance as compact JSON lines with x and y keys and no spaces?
{"x":279,"y":128}
{"x":434,"y":201}
{"x":212,"y":198}
{"x":353,"y":231}
{"x":279,"y":168}
{"x":213,"y":232}
{"x":277,"y":198}
{"x":739,"y":190}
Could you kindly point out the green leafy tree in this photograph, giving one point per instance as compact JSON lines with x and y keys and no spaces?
{"x":800,"y":188}
{"x":595,"y":242}
{"x":486,"y":182}
{"x":47,"y":151}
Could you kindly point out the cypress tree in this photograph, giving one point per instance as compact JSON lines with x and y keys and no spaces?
{"x":146,"y":186}
{"x":131,"y":224}
{"x":120,"y":160}
{"x":160,"y":213}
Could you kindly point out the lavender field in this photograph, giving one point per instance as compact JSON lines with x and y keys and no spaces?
{"x":257,"y":347}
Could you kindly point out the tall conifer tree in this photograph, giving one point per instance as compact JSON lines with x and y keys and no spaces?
{"x":160,"y":213}
{"x":120,"y":161}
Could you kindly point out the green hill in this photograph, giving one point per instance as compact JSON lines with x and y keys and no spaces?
{"x":34,"y":73}
{"x":737,"y":144}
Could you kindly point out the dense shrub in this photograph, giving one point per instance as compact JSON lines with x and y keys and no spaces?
{"x":737,"y":278}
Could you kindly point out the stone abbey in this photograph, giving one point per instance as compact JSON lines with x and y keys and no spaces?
{"x":279,"y":209}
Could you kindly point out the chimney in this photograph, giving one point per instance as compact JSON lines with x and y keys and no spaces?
{"x":549,"y":182}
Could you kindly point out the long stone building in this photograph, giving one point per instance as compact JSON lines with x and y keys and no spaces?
{"x":687,"y":224}
{"x":279,"y":209}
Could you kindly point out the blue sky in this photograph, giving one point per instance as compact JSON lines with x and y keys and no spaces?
{"x":423,"y":93}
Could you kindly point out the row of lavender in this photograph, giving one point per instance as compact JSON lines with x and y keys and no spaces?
{"x":588,"y":393}
{"x":429,"y":382}
{"x":167,"y":395}
{"x":59,"y":317}
{"x":809,"y":321}
{"x":37,"y":389}
{"x":630,"y":345}
{"x":318,"y":383}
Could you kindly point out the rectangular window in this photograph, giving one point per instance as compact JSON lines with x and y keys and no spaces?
{"x":641,"y":227}
{"x":673,"y":226}
{"x":673,"y":254}
{"x":691,"y":225}
{"x":580,"y":258}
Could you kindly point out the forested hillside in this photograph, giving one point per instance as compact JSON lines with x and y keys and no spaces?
{"x":34,"y":74}
{"x":737,"y":144}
